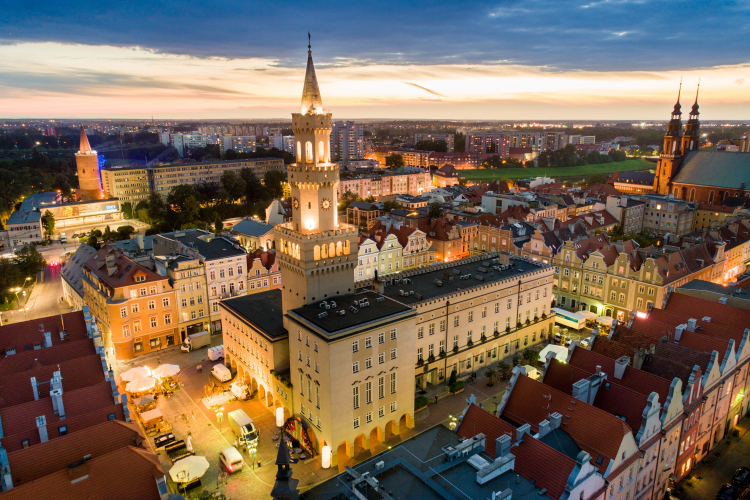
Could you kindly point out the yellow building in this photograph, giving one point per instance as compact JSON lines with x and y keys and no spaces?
{"x":707,"y":216}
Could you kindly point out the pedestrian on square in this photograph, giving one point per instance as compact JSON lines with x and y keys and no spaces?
{"x":436,"y":398}
{"x":158,"y":359}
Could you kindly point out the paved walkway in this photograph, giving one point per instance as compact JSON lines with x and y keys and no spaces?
{"x":707,"y":479}
{"x":185,"y":412}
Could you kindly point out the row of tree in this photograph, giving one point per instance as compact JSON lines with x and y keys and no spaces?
{"x":569,"y":156}
{"x":202,"y":205}
{"x":14,"y":271}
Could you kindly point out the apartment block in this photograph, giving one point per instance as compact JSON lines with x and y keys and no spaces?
{"x":450,"y":139}
{"x":667,"y":215}
{"x":128,"y":184}
{"x":347,"y":141}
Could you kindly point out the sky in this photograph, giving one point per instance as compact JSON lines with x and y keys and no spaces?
{"x":479,"y":60}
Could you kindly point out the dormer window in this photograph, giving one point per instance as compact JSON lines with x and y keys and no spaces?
{"x":140,"y":278}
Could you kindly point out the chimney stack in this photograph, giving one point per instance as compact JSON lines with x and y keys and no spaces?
{"x":678,"y":331}
{"x":57,"y":403}
{"x":692,"y":322}
{"x":34,"y":387}
{"x":543,"y":428}
{"x":47,"y":339}
{"x":502,"y":446}
{"x":554,"y":421}
{"x":521,"y":431}
{"x":581,"y":390}
{"x":41,"y":424}
{"x":620,"y":366}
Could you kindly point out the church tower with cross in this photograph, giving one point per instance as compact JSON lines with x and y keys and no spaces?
{"x":317,"y":253}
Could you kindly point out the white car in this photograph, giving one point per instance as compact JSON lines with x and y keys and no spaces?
{"x":584,"y":343}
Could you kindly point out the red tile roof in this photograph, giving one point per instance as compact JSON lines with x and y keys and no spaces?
{"x":119,"y":272}
{"x":25,"y":335}
{"x":124,"y":474}
{"x":594,"y":431}
{"x":23,"y":361}
{"x":76,"y":373}
{"x":83,"y":408}
{"x":549,"y":468}
{"x":47,"y":458}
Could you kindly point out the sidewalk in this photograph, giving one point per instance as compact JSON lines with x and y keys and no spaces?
{"x":709,"y":475}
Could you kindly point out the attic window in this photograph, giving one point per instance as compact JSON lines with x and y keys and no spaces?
{"x":599,"y":460}
{"x":138,"y":279}
{"x":624,"y":418}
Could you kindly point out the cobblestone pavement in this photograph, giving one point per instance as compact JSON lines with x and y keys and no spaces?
{"x":187,"y":414}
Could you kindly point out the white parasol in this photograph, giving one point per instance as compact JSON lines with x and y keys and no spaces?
{"x":140,"y":384}
{"x":166,"y":371}
{"x":188,"y":469}
{"x":134,"y":373}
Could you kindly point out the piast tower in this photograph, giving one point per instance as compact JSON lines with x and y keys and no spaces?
{"x":317,"y":253}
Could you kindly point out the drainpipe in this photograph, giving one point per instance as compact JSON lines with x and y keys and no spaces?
{"x":445,"y":359}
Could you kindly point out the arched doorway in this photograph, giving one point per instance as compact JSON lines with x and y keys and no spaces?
{"x":391,"y":429}
{"x":608,"y":313}
{"x":313,"y":439}
{"x":269,"y":399}
{"x":261,"y":392}
{"x":376,"y":439}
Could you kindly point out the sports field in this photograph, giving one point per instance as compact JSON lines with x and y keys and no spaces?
{"x":557,"y":172}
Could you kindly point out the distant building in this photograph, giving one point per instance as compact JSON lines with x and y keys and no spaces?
{"x":347,"y":141}
{"x":240,"y":144}
{"x":447,"y":175}
{"x":487,"y":142}
{"x":448,"y":138}
{"x":639,"y":182}
{"x":284,"y":143}
{"x":87,"y":165}
{"x":628,"y":212}
{"x":581,"y":139}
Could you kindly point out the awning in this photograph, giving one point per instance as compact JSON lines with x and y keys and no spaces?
{"x":587,"y":314}
{"x":147,"y":416}
{"x":605,"y":320}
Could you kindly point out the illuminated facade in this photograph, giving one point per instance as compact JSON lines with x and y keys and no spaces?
{"x":87,"y":163}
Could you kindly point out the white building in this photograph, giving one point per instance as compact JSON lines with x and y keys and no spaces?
{"x":238,"y":143}
{"x":347,"y":141}
{"x":284,"y":143}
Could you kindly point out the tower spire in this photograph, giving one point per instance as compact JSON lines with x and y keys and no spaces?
{"x":85,"y":147}
{"x":695,"y":105}
{"x":312,"y":103}
{"x":677,"y":105}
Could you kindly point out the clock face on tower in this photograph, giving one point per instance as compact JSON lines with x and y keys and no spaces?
{"x":326,"y":204}
{"x":295,"y":203}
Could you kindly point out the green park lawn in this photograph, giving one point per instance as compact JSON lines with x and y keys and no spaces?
{"x":557,"y":172}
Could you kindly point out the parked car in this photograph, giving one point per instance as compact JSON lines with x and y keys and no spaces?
{"x":741,"y":477}
{"x":230,"y":459}
{"x":728,"y":492}
{"x":584,"y":343}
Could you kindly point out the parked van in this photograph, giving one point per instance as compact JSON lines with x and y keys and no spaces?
{"x":231,"y":459}
{"x":63,"y":239}
{"x":222,"y":373}
{"x":215,"y":353}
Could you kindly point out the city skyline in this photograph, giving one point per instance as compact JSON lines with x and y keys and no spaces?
{"x":610,"y":59}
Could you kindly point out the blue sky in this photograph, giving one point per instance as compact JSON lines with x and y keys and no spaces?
{"x":544,"y":40}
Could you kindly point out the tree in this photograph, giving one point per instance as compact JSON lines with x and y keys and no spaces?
{"x":531,"y":356}
{"x":127,"y":210}
{"x":273,"y":181}
{"x":29,"y":261}
{"x":459,"y":141}
{"x":108,"y":234}
{"x":435,"y":210}
{"x":156,"y":207}
{"x":394,"y":160}
{"x":94,"y":242}
{"x":463,"y":181}
{"x":124,"y":232}
{"x":60,"y":183}
{"x":48,"y":222}
{"x":253,"y":186}
{"x":439,"y":146}
{"x":529,"y":164}
{"x":233,"y":184}
{"x":452,"y":379}
{"x":390,"y":205}
{"x":347,"y":199}
{"x":218,"y":225}
{"x":207,"y":192}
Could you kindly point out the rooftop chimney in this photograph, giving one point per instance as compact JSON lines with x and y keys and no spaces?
{"x":554,"y":421}
{"x":521,"y":431}
{"x":692,"y":322}
{"x":47,"y":339}
{"x":543,"y":428}
{"x":678,"y":332}
{"x":620,"y":366}
{"x":502,"y":445}
{"x":34,"y":386}
{"x":41,"y":424}
{"x":581,"y":390}
{"x":723,"y":300}
{"x":57,"y":403}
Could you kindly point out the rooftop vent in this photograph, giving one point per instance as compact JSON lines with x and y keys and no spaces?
{"x":381,"y":299}
{"x":354,"y":309}
{"x":342,"y":312}
{"x":323,"y":314}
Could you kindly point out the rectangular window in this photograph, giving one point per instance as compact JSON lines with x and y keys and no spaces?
{"x":368,"y":417}
{"x":368,"y":363}
{"x":123,"y":312}
{"x":134,"y":308}
{"x":168,"y":318}
{"x":393,"y":334}
{"x":355,"y":346}
{"x":137,"y":325}
{"x":393,"y":353}
{"x":381,"y":411}
{"x":455,"y":321}
{"x":355,"y":367}
{"x":381,"y":338}
{"x":393,"y":407}
{"x":471,"y":316}
{"x":368,"y":392}
{"x":381,"y":358}
{"x":368,"y":342}
{"x":442,"y":325}
{"x":152,"y":321}
{"x":393,"y":382}
{"x":381,"y":387}
{"x":420,"y":332}
{"x":151,"y":305}
{"x":356,"y":423}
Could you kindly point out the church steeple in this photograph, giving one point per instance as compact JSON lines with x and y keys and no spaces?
{"x":671,"y":152}
{"x":312,"y":102}
{"x":691,"y":137}
{"x":674,"y":129}
{"x":285,"y":488}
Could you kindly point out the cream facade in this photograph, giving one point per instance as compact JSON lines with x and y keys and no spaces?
{"x":128,"y":184}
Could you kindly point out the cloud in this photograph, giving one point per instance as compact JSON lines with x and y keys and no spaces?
{"x":597,"y":35}
{"x":67,"y":80}
{"x":425,"y":89}
{"x":739,"y":81}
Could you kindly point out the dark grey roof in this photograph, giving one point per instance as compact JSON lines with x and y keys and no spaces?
{"x":707,"y":286}
{"x":262,"y":310}
{"x":334,"y":323}
{"x":636,"y":177}
{"x":71,"y":271}
{"x":131,"y":245}
{"x":252,"y":227}
{"x":736,"y":201}
{"x":417,"y":469}
{"x":177,"y":261}
{"x":424,"y":284}
{"x":363,"y":205}
{"x":715,"y":168}
{"x":562,"y":442}
{"x":217,"y":248}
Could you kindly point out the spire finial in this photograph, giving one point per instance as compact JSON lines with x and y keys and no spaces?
{"x":679,"y":91}
{"x":698,"y":90}
{"x":309,"y":46}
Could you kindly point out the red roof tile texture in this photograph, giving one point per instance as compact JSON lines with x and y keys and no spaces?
{"x":124,"y":474}
{"x":594,"y":431}
{"x":27,"y":334}
{"x":549,"y":468}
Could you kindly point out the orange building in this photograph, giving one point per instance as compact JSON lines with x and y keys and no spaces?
{"x":134,"y":307}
